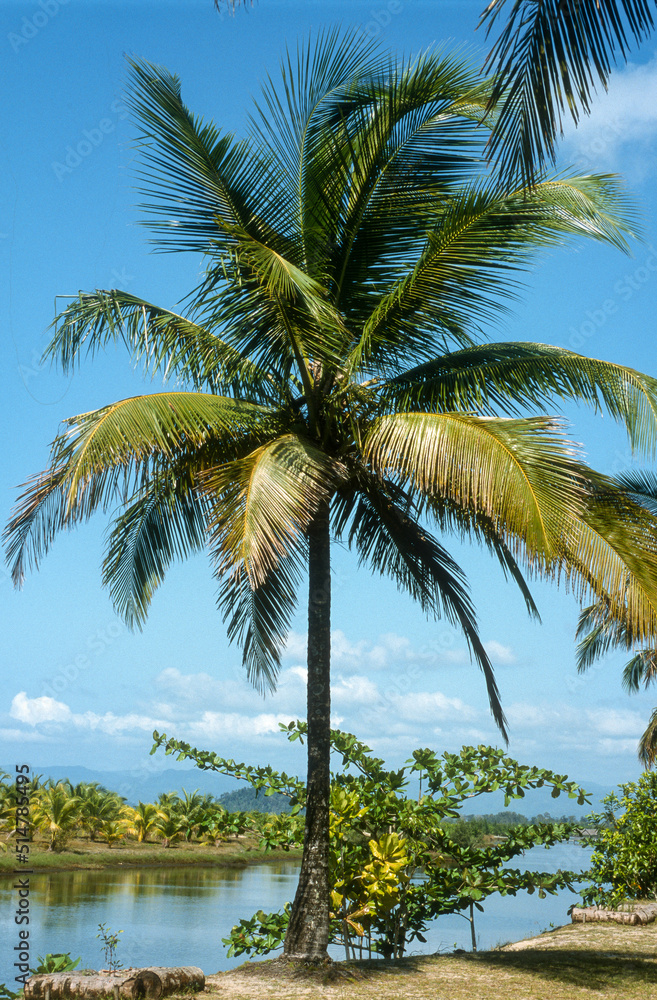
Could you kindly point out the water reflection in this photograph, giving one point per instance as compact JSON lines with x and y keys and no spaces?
{"x":177,"y":916}
{"x":169,"y":916}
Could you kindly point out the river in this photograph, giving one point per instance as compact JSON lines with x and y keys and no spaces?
{"x":177,"y":916}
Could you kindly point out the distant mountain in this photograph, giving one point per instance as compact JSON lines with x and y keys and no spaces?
{"x":141,"y":785}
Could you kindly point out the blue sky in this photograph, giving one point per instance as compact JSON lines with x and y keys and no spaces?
{"x":78,"y":688}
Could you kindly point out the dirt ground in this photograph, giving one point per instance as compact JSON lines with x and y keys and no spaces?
{"x":568,"y":963}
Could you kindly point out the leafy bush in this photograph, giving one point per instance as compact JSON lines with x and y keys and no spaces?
{"x":394,"y":863}
{"x":624,"y":861}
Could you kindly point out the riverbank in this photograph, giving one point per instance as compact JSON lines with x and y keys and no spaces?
{"x":574,"y":962}
{"x":83,"y":855}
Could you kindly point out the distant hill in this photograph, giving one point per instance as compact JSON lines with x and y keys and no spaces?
{"x":142,"y":786}
{"x":247,"y":800}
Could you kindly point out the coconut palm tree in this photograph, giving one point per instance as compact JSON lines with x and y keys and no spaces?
{"x":142,"y":820}
{"x":56,"y":812}
{"x":547,"y":59}
{"x":97,"y":805}
{"x":332,"y":382}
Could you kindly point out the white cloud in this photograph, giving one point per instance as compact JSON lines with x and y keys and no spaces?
{"x":616,"y":722}
{"x":231,"y":725}
{"x":37,"y":710}
{"x":354,"y":690}
{"x":430,"y":707}
{"x":45,"y":710}
{"x":499,"y":653}
{"x":626,"y":114}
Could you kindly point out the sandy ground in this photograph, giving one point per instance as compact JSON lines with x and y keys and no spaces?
{"x":568,"y":963}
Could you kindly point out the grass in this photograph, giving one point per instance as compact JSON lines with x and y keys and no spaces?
{"x":578,"y":962}
{"x":83,"y":854}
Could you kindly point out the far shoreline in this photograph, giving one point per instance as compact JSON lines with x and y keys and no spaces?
{"x":86,"y":856}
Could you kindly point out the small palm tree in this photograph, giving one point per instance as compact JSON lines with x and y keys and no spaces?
{"x":111,"y":831}
{"x":171,"y":828}
{"x":333,"y":380}
{"x":56,"y":813}
{"x":97,"y":805}
{"x":142,"y":820}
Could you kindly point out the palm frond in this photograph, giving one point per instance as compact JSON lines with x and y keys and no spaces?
{"x":547,"y":60}
{"x":101,"y":458}
{"x":263,"y":503}
{"x":510,"y":377}
{"x":598,"y":632}
{"x":641,"y":669}
{"x":647,"y":750}
{"x":259,"y":618}
{"x":472,"y":525}
{"x":166,"y":343}
{"x":165,"y":522}
{"x":196,"y":178}
{"x":480,"y":238}
{"x":610,"y":554}
{"x":520,"y":474}
{"x":641,"y":486}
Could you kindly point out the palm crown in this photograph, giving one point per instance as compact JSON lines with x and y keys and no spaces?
{"x":333,"y":379}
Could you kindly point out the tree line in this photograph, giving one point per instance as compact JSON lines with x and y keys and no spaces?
{"x":61,"y":811}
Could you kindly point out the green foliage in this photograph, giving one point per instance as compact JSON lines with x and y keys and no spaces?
{"x":55,"y":962}
{"x":394,"y":859}
{"x":110,"y":942}
{"x":624,"y":862}
{"x":261,"y":934}
{"x":7,"y":994}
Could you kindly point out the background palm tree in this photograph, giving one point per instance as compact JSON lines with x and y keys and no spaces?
{"x":56,"y":812}
{"x":356,"y":246}
{"x":142,"y":820}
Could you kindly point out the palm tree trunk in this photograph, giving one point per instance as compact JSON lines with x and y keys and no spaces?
{"x":308,"y":930}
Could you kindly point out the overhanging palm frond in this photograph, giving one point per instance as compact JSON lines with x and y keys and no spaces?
{"x":641,"y":486}
{"x":510,"y":377}
{"x":647,"y":750}
{"x":391,"y":542}
{"x":598,"y":632}
{"x":546,"y":62}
